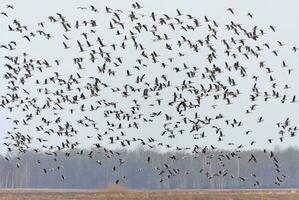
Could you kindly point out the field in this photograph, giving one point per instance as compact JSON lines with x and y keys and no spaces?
{"x":48,"y":194}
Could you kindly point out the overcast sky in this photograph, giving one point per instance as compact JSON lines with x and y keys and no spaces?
{"x":281,"y":14}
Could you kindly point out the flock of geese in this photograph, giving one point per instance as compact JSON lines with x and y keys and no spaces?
{"x":158,"y":70}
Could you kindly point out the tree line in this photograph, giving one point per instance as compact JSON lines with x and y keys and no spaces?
{"x":147,"y":169}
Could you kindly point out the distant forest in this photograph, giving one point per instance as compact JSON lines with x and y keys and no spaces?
{"x":144,"y":169}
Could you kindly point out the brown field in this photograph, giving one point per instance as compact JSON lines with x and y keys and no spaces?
{"x":115,"y":193}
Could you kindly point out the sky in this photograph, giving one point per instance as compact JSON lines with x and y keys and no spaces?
{"x":281,"y":14}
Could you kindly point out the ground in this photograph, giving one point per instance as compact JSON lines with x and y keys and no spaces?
{"x":47,"y":194}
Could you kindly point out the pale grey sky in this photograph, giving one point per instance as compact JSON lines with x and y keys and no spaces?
{"x":281,"y":14}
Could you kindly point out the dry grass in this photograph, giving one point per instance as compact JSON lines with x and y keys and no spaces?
{"x":116,"y":189}
{"x":120,"y":192}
